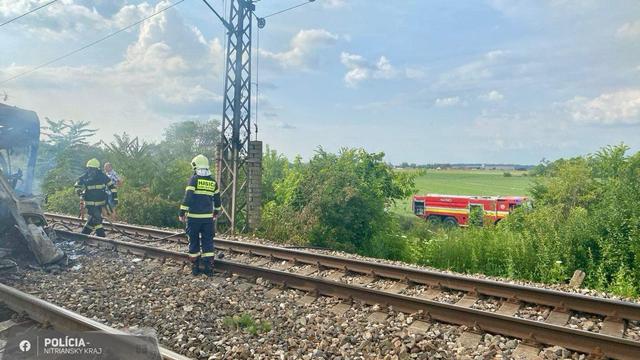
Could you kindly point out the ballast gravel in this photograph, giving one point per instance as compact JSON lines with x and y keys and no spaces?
{"x":586,"y":322}
{"x":560,"y":287}
{"x":633,"y":331}
{"x":193,"y":315}
{"x":533,"y":312}
{"x":487,"y":303}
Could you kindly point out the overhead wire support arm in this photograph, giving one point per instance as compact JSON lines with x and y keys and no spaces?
{"x":224,"y":22}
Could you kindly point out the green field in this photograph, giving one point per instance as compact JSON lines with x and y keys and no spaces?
{"x":466,"y":182}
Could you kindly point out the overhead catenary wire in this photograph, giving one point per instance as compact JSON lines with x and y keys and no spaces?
{"x":27,"y":13}
{"x":89,"y":44}
{"x":289,"y":8}
{"x":258,"y":57}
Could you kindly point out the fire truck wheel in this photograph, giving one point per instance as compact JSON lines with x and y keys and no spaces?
{"x":434,"y":220}
{"x":450,"y":221}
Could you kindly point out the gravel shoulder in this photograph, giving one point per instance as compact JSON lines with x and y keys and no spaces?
{"x":560,"y":287}
{"x":191,"y":315}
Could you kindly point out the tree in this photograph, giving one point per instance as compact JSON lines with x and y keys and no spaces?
{"x":339,"y":200}
{"x":145,"y":167}
{"x":132,"y":159}
{"x":274,"y":167}
{"x":186,"y":139}
{"x":63,"y":153}
{"x":65,"y":134}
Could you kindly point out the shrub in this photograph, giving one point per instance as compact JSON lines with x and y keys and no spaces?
{"x":338,"y":201}
{"x":585,"y":217}
{"x":476,"y":216}
{"x":63,"y":201}
{"x":140,"y":206}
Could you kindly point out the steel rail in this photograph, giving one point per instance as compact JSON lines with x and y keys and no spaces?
{"x":533,"y":331}
{"x":561,"y":300}
{"x":62,"y":319}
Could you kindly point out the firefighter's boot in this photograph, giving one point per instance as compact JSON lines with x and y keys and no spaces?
{"x":86,"y":230}
{"x":208,"y":266}
{"x":100,"y":232}
{"x":195,"y":267}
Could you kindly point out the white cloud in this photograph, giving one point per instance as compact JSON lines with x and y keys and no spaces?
{"x":448,"y":101}
{"x":510,"y":7}
{"x":129,"y":14}
{"x":359,"y":69}
{"x":168,"y":46}
{"x":414,"y":73}
{"x":283,"y":125}
{"x":475,"y":71}
{"x":170,"y":72}
{"x":532,"y":9}
{"x":521,"y":131}
{"x":630,"y":30}
{"x":395,"y":101}
{"x":334,"y":4}
{"x":185,"y":100}
{"x":68,"y":18}
{"x":620,"y":107}
{"x":304,"y":49}
{"x":492,"y":95}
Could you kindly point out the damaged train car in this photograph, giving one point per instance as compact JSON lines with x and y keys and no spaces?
{"x":21,"y":216}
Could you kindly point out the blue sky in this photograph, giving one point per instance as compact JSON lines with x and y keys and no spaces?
{"x":423,"y":81}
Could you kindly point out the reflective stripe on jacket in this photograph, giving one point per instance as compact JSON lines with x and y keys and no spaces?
{"x":91,"y":187}
{"x":201,"y":198}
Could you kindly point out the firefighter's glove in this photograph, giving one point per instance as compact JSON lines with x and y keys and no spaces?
{"x":215,"y":214}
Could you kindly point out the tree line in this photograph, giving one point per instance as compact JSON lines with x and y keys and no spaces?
{"x":585,"y":215}
{"x":154,"y":173}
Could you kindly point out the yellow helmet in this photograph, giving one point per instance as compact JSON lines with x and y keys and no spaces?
{"x":200,"y":162}
{"x":93,"y":163}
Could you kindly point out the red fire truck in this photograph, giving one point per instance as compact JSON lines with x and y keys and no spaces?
{"x":455,"y":210}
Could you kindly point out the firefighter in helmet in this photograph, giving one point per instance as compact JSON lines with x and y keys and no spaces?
{"x":199,"y":208}
{"x":91,"y":187}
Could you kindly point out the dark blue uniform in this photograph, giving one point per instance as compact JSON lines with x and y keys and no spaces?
{"x":201,"y":202}
{"x":92,"y":186}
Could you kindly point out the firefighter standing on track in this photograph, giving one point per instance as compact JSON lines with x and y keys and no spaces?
{"x":91,"y":187}
{"x":199,"y":209}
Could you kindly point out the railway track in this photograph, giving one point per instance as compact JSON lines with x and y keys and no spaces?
{"x":42,"y":312}
{"x":610,"y":342}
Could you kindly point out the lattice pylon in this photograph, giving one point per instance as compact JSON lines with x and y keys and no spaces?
{"x":233,"y":150}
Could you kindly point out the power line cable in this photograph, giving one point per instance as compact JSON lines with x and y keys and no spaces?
{"x":288,"y":9}
{"x":27,"y":13}
{"x":90,"y":44}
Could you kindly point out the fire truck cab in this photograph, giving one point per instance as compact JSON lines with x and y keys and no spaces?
{"x":456,"y":209}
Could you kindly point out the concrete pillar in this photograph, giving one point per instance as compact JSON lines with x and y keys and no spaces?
{"x":254,"y":185}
